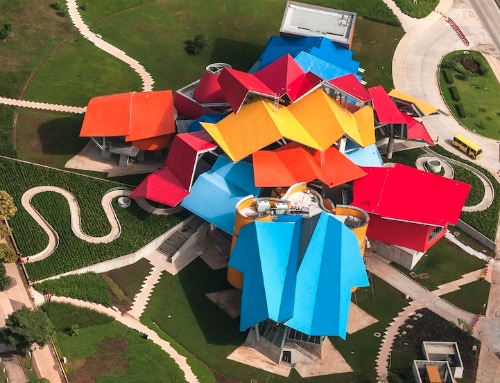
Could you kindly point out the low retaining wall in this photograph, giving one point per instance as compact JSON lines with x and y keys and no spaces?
{"x":482,"y":239}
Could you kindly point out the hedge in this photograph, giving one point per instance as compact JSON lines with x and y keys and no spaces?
{"x":448,"y":76}
{"x":460,"y":110}
{"x":454,"y":93}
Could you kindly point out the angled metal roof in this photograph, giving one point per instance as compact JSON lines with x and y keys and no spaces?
{"x":386,"y":110}
{"x":267,"y":255}
{"x":423,"y":107}
{"x":403,"y":193}
{"x":293,"y":163}
{"x":320,"y":67}
{"x":417,"y":130}
{"x":215,"y":193}
{"x":369,"y":156}
{"x":351,"y":85}
{"x":332,"y":266}
{"x":171,"y":184}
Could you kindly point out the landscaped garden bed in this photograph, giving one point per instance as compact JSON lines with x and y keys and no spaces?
{"x":417,"y":9}
{"x":138,"y":227}
{"x":431,"y":327}
{"x":472,"y":297}
{"x":477,"y":88}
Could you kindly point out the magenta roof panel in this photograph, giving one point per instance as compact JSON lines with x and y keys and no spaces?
{"x":281,"y":76}
{"x":417,"y":130}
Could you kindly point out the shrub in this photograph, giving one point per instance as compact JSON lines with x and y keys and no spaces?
{"x":58,"y":6}
{"x":454,"y":93}
{"x":5,"y":280}
{"x":84,"y":7}
{"x":193,"y":47}
{"x":448,"y":76}
{"x":73,"y":330}
{"x":7,"y":254}
{"x":465,"y":75}
{"x":483,"y":70}
{"x":461,"y":110}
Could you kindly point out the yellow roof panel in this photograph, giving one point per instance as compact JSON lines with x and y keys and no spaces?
{"x":424,"y":107}
{"x":365,"y":122}
{"x":251,"y":129}
{"x":316,"y":113}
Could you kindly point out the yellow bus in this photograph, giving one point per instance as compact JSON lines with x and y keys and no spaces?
{"x":467,"y":146}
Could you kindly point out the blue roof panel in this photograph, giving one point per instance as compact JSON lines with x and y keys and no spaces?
{"x":331,"y":267}
{"x":369,"y":156}
{"x":319,"y":67}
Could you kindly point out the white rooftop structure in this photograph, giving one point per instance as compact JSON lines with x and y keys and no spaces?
{"x":445,"y":351}
{"x":311,"y":20}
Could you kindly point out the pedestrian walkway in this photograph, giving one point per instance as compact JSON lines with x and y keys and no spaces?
{"x":42,"y":105}
{"x":76,"y":18}
{"x":132,"y":323}
{"x":455,"y":285}
{"x":11,"y":300}
{"x":390,"y":334}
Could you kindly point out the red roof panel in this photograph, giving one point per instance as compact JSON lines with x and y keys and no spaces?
{"x":386,"y":110}
{"x":417,"y":130}
{"x":208,"y":89}
{"x":161,"y":186}
{"x":352,"y":86}
{"x":404,"y":193}
{"x":281,"y":75}
{"x":236,"y":85}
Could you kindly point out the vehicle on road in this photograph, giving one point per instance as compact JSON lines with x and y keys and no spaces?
{"x":467,"y":146}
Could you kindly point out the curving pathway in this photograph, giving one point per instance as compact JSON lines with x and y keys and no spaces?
{"x":42,"y":105}
{"x":76,"y":18}
{"x":489,"y":192}
{"x":132,"y":323}
{"x":417,"y":58}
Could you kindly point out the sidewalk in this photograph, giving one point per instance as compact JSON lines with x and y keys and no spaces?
{"x":13,"y":299}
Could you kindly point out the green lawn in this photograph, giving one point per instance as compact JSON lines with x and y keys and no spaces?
{"x":130,"y":278}
{"x":444,"y":262}
{"x":472,"y":297}
{"x":479,"y":94}
{"x":48,"y":138}
{"x":179,"y":308}
{"x":106,"y":351}
{"x":79,"y":71}
{"x":422,"y":9}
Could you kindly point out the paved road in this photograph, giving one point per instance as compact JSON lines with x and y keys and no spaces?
{"x":489,"y":13}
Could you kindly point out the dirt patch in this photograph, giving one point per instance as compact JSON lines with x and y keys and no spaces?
{"x":470,"y":64}
{"x":431,"y":327}
{"x":108,"y":360}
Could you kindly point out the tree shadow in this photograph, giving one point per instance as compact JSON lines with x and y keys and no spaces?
{"x":61,"y":136}
{"x":240,"y":54}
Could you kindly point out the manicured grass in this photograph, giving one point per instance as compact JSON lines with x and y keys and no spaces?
{"x":471,"y":242}
{"x":138,"y":226}
{"x":422,"y":9}
{"x":485,"y":221}
{"x":237,"y":38}
{"x":472,"y":297}
{"x":373,"y":46}
{"x":444,"y":262}
{"x":178,"y":307}
{"x":87,"y":287}
{"x":130,"y":278}
{"x":479,"y":94}
{"x":6,"y":141}
{"x":109,"y":351}
{"x":361,"y":348}
{"x":48,"y":138}
{"x":78,"y":72}
{"x":64,"y":315}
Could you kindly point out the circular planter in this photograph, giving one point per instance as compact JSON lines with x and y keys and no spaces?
{"x":434,"y":165}
{"x":124,"y":202}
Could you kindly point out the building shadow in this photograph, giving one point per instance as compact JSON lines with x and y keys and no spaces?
{"x":61,"y":136}
{"x":240,"y":55}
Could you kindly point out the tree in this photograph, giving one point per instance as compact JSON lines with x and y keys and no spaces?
{"x":7,"y":253}
{"x":25,"y":327}
{"x":7,"y":207}
{"x":193,"y":47}
{"x":5,"y":280}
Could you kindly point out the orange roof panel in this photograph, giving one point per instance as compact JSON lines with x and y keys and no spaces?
{"x":107,"y":116}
